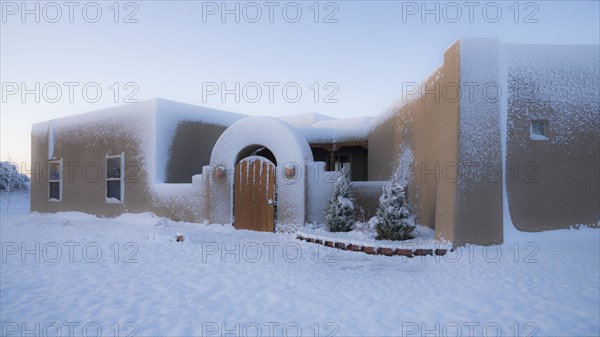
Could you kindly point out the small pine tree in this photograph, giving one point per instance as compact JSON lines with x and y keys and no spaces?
{"x":393,"y":215}
{"x":339,"y":215}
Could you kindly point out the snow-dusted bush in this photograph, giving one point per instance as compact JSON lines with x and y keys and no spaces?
{"x":10,"y":178}
{"x":339,"y":215}
{"x":393,"y":219}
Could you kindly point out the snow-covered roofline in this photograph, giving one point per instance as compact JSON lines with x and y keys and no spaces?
{"x":315,"y":127}
{"x":537,"y":54}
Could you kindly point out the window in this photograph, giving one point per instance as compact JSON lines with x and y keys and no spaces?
{"x":342,"y":161}
{"x":55,"y":180}
{"x":538,"y":129}
{"x":114,"y":179}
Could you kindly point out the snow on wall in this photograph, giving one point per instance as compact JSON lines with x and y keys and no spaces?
{"x":169,"y":114}
{"x":507,"y":225}
{"x":131,"y":119}
{"x":560,"y":85}
{"x":40,"y":129}
{"x":403,"y":167}
{"x":50,"y":139}
{"x":319,"y":185}
{"x":288,"y":147}
{"x":366,"y":194}
{"x":184,"y":201}
{"x":133,"y":126}
{"x":179,"y":201}
{"x":479,"y":141}
{"x":564,"y":78}
{"x":112,"y":123}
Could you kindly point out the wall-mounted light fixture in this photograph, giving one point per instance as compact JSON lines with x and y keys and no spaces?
{"x":290,"y":171}
{"x":220,"y":171}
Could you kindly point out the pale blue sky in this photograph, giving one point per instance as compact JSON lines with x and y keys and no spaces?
{"x":170,"y":52}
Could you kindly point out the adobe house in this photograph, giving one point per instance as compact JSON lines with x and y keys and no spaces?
{"x":495,"y":125}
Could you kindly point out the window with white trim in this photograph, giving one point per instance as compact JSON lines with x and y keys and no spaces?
{"x":115,"y":187}
{"x":55,"y":170}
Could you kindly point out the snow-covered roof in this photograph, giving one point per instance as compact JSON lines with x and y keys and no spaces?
{"x":344,"y":123}
{"x":334,"y":135}
{"x":319,"y":128}
{"x":315,"y":127}
{"x":305,"y":119}
{"x":168,"y":111}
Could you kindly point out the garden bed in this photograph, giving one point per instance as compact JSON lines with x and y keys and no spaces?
{"x":362,"y":239}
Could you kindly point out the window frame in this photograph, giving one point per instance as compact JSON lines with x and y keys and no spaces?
{"x":538,"y":137}
{"x":59,"y":181}
{"x":337,"y":160}
{"x":121,"y":178}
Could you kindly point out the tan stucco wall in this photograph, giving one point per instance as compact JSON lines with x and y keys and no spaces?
{"x":427,"y":127}
{"x":83,"y":147}
{"x":366,"y":197}
{"x":550,"y":183}
{"x":442,"y":142}
{"x":83,"y":142}
{"x":479,"y":212}
{"x":554,"y":183}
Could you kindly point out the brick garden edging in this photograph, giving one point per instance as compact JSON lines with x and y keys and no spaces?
{"x":372,"y":250}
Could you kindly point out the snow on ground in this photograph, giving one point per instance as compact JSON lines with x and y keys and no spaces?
{"x":542,"y":284}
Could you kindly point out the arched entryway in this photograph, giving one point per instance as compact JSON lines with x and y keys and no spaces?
{"x":254,"y":197}
{"x":274,"y":141}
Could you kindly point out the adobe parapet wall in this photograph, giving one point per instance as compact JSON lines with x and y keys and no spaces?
{"x":553,"y":182}
{"x":485,"y":134}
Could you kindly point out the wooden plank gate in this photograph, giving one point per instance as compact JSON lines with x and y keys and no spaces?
{"x":254,"y":194}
